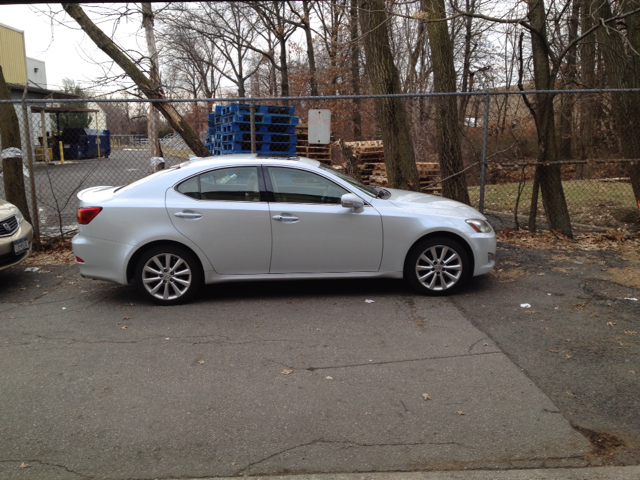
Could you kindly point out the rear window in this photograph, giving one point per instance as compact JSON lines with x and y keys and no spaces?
{"x":147,"y":178}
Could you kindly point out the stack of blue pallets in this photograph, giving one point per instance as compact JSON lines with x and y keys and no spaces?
{"x":230,"y":129}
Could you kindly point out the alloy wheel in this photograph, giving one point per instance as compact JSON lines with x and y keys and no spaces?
{"x":439,"y":268}
{"x":166,"y":276}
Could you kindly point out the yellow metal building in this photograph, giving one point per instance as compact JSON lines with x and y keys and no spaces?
{"x":13,"y":58}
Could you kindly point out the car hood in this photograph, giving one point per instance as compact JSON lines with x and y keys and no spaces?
{"x":7,"y":209}
{"x":424,"y":203}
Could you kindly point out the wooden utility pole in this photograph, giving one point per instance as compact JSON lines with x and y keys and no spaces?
{"x":152,"y":121}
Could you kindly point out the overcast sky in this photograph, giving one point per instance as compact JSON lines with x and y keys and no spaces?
{"x":68,"y":53}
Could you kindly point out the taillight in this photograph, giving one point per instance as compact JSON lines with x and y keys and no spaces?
{"x":86,"y":214}
{"x":79,"y":260}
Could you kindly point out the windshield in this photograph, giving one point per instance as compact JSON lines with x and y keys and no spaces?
{"x":363,"y":188}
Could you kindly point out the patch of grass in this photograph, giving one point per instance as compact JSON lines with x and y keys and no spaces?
{"x":178,"y":152}
{"x":589,"y":201}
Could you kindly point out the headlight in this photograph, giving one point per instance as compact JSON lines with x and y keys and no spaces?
{"x":19,"y":217}
{"x":480,"y":226}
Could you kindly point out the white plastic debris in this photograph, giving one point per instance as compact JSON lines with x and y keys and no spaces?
{"x":12,"y":153}
{"x":369,"y":301}
{"x":525,"y":305}
{"x":631,"y":298}
{"x":32,"y":269}
{"x":64,"y":308}
{"x":155,"y":161}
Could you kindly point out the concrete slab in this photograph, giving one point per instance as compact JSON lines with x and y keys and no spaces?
{"x":262,"y":379}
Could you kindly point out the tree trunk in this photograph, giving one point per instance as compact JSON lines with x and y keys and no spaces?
{"x":622,"y":72}
{"x":355,"y":71}
{"x":566,"y":111}
{"x":152,"y":123}
{"x":12,"y":167}
{"x":284,"y":70}
{"x":402,"y":171}
{"x":588,"y":105}
{"x":350,"y":161}
{"x":467,"y":76}
{"x":550,"y":180}
{"x":107,"y":45}
{"x":447,"y":123}
{"x":313,"y":83}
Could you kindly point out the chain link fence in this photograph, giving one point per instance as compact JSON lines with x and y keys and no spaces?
{"x":90,"y":142}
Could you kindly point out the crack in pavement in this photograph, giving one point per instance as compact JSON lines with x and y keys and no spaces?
{"x":476,"y":343}
{"x":223,"y":341}
{"x":55,"y":465}
{"x":312,"y":369}
{"x":349,"y":443}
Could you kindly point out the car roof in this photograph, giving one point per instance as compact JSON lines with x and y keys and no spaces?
{"x":251,"y":158}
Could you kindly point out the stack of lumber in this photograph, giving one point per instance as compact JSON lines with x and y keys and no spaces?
{"x":322,"y":153}
{"x":373,"y":171}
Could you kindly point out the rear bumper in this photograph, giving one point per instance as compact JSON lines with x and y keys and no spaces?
{"x":103,"y":259}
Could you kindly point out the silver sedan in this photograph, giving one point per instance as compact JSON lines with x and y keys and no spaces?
{"x":246,"y":217}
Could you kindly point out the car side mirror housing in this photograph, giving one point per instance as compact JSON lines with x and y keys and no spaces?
{"x":349,"y":200}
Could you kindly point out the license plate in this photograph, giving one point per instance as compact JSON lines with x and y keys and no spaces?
{"x":21,"y":245}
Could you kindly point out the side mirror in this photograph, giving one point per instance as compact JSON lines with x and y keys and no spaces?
{"x":349,"y":200}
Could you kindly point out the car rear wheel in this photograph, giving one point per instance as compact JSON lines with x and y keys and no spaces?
{"x":169,"y":275}
{"x":437,"y":266}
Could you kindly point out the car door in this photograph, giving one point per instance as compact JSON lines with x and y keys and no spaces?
{"x":312,"y":232}
{"x":223,"y":213}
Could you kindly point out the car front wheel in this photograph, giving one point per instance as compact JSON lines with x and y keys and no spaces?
{"x":437,"y":266}
{"x":168,"y":275}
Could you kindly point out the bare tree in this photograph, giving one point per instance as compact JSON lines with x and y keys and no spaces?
{"x":402,"y":171}
{"x":275,"y":17}
{"x":621,"y":52}
{"x":150,"y":90}
{"x":447,"y":123}
{"x":12,"y":166}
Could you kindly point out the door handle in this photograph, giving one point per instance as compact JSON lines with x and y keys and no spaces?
{"x":188,"y":215}
{"x":286,"y":218}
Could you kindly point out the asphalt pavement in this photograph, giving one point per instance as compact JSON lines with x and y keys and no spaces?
{"x":322,"y":380}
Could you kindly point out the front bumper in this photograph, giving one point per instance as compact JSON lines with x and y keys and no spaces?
{"x":484,"y":251}
{"x":7,"y":257}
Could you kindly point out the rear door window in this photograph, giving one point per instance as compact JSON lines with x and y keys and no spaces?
{"x":238,"y":184}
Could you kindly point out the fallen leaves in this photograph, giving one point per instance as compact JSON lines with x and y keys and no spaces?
{"x":611,"y":324}
{"x":460,"y":412}
{"x":24,"y":465}
{"x":201,"y":362}
{"x":425,"y":397}
{"x":286,"y":371}
{"x":630,"y":332}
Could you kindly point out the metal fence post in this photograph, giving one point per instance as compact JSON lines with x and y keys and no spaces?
{"x":32,"y":180}
{"x":252,"y":107}
{"x":483,"y":163}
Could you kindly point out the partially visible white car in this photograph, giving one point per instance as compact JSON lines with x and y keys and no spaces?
{"x":246,"y":217}
{"x":16,"y":235}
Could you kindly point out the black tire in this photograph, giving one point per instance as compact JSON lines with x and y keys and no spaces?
{"x":159,"y":280}
{"x":437,"y":266}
